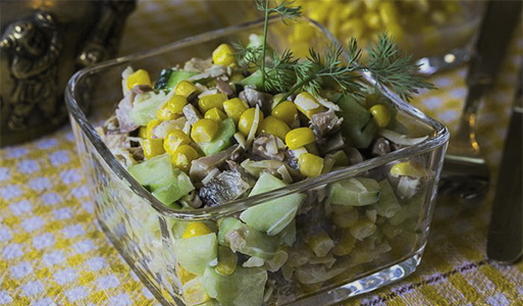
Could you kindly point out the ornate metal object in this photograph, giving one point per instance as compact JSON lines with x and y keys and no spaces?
{"x":41,"y":45}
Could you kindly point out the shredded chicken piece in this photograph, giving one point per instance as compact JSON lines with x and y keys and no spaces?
{"x":191,"y":113}
{"x":269,"y":147}
{"x":125,"y":124}
{"x":212,"y":72}
{"x":197,"y":64}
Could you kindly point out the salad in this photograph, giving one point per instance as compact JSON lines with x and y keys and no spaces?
{"x":249,"y":120}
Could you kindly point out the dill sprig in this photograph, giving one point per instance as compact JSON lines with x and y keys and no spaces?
{"x":249,"y":55}
{"x":343,"y":67}
{"x":285,"y":11}
{"x":280,"y":74}
{"x":384,"y":62}
{"x":312,"y":72}
{"x":391,"y":68}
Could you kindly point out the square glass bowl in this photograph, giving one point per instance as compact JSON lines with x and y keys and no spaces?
{"x":333,"y":251}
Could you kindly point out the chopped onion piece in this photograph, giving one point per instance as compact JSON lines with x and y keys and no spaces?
{"x":254,"y":126}
{"x":253,"y":262}
{"x":400,"y":138}
{"x":240,"y":139}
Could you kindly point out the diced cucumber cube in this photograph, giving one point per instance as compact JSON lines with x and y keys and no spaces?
{"x":246,"y":240}
{"x":355,"y":192}
{"x":195,"y":254}
{"x":358,"y":124}
{"x":177,"y":76}
{"x":179,"y":187}
{"x":245,"y":287}
{"x":271,"y":216}
{"x":155,"y":172}
{"x":255,"y":79}
{"x":388,"y":204}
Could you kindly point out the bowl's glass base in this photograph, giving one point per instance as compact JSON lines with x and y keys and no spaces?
{"x":365,"y":284}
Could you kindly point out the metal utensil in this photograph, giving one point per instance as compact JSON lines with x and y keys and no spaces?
{"x":505,"y":235}
{"x":465,"y":171}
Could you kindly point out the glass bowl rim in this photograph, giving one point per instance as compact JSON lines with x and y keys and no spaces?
{"x":439,"y":137}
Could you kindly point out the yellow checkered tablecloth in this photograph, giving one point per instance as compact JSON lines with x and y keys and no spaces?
{"x":53,"y":253}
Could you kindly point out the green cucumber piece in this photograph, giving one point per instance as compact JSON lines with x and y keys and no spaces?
{"x":355,"y":192}
{"x":271,"y":216}
{"x":145,"y":110}
{"x":245,"y":287}
{"x":195,"y":254}
{"x":155,"y":172}
{"x":255,"y":79}
{"x":358,"y":124}
{"x":388,"y":204}
{"x":223,"y":140}
{"x":248,"y":241}
{"x":178,"y":188}
{"x":167,"y":184}
{"x":178,"y":75}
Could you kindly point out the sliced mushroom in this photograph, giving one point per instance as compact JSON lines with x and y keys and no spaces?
{"x":325,"y":123}
{"x":201,"y":166}
{"x":226,"y":186}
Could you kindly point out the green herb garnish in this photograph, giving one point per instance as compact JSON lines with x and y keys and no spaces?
{"x":285,"y":11}
{"x":285,"y":73}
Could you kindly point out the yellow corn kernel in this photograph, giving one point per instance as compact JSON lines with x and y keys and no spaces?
{"x":274,"y":126}
{"x":223,"y":55}
{"x":215,"y":114}
{"x":234,"y":108}
{"x":207,"y":102}
{"x":152,"y":147}
{"x":149,"y":128}
{"x":196,"y":228}
{"x":308,"y":105}
{"x":204,"y":130}
{"x":183,"y":275}
{"x":227,"y":261}
{"x":172,"y":109}
{"x":286,"y":111}
{"x":299,"y":137}
{"x":310,"y":165}
{"x":194,"y":293}
{"x":381,"y":115}
{"x":139,"y":77}
{"x":142,"y":132}
{"x":246,"y":121}
{"x":174,"y":139}
{"x":407,"y":168}
{"x":166,"y":114}
{"x":185,"y":88}
{"x":183,"y":156}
